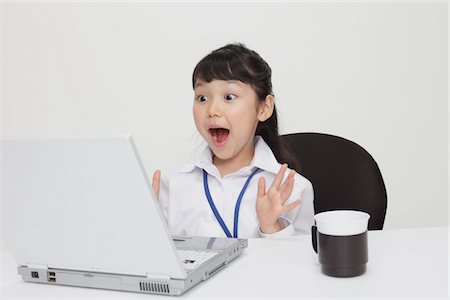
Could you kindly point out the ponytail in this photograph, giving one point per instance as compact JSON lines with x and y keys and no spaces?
{"x":268,"y":130}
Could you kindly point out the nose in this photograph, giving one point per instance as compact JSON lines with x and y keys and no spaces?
{"x":214,"y":108}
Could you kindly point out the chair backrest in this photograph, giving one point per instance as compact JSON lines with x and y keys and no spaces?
{"x":344,"y":175}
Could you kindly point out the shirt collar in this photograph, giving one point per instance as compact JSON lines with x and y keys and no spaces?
{"x":263,"y":158}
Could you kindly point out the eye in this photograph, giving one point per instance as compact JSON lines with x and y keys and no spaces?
{"x":230,"y":97}
{"x":201,"y":98}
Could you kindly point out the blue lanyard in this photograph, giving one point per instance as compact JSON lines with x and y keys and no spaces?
{"x":236,"y":208}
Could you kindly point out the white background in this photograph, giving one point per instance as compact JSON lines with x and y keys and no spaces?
{"x":375,"y":73}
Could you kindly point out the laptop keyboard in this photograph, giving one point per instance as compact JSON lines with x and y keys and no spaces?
{"x":191,"y":259}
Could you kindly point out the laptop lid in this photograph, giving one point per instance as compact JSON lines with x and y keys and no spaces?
{"x":83,"y":204}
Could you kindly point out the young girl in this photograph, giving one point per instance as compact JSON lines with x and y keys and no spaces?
{"x":223,"y":193}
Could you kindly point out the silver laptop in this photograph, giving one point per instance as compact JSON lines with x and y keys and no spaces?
{"x":81,"y":212}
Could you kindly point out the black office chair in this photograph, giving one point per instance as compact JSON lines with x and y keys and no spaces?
{"x":344,"y":175}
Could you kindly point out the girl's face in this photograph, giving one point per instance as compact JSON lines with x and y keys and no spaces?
{"x":226,"y":114}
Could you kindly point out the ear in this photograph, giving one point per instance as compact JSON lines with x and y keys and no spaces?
{"x":265,"y":109}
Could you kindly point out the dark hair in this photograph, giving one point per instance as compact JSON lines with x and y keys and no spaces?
{"x":237,"y":62}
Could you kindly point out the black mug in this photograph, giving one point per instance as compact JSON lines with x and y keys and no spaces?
{"x":340,"y":240}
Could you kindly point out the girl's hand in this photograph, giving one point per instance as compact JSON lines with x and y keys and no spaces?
{"x":270,"y":205}
{"x":156,"y":182}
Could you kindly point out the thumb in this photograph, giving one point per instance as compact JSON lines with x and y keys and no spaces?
{"x":291,"y":206}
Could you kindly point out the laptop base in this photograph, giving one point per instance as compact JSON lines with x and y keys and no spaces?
{"x":130,"y":283}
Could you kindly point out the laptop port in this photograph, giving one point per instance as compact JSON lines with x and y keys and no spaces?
{"x":34,"y":274}
{"x":213,"y":271}
{"x":51,"y":276}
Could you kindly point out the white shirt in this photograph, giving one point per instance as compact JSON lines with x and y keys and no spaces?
{"x":187,"y":211}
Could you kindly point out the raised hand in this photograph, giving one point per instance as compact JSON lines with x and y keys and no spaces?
{"x":271,"y":204}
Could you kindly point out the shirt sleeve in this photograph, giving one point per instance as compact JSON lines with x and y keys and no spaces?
{"x":287,"y":231}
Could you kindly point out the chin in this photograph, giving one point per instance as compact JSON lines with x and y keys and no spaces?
{"x":221,"y":154}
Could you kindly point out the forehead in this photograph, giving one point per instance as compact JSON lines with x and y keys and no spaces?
{"x":221,"y":83}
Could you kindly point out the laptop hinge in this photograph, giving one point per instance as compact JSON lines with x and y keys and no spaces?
{"x":37,"y":266}
{"x":158,"y":276}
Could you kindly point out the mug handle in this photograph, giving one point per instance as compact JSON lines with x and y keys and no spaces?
{"x":314,"y":237}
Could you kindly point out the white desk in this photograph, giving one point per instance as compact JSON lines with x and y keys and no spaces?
{"x":409,"y":263}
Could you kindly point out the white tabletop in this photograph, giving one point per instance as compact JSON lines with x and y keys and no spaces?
{"x":407,"y":263}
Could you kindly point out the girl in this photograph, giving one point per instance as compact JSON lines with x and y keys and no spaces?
{"x":223,"y":193}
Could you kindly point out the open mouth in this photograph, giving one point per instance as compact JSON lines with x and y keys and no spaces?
{"x":219,"y":135}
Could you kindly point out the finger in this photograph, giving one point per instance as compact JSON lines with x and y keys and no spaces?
{"x":291,"y":206}
{"x":288,"y":181}
{"x":277,"y":181}
{"x":156,"y":182}
{"x":261,"y":187}
{"x":286,"y":194}
{"x":287,"y":188}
